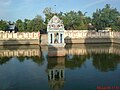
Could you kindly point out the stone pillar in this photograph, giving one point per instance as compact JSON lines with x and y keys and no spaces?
{"x":59,"y":39}
{"x":49,"y":38}
{"x":62,"y":38}
{"x":52,"y":37}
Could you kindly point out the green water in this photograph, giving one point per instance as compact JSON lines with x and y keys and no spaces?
{"x":84,"y":67}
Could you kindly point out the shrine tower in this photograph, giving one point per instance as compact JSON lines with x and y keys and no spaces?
{"x":55,"y":29}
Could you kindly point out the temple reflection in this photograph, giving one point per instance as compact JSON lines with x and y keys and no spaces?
{"x":21,"y":53}
{"x":75,"y":49}
{"x":36,"y":70}
{"x":84,"y":49}
{"x":20,"y":50}
{"x":56,"y":72}
{"x":105,"y":57}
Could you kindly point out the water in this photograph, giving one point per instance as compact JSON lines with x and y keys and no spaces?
{"x":85,"y":67}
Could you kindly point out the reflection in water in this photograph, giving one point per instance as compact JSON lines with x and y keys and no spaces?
{"x":36,"y":59}
{"x":106,"y":57}
{"x":83,"y":49}
{"x":103,"y":62}
{"x":83,"y":68}
{"x":75,"y":61}
{"x":4,"y":60}
{"x":55,"y":69}
{"x":11,"y":51}
{"x":22,"y":52}
{"x":106,"y":62}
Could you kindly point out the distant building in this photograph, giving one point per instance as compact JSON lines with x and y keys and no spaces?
{"x":108,"y":28}
{"x":12,"y":27}
{"x":91,"y":27}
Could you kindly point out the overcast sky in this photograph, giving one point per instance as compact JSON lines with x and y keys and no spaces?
{"x":21,"y":9}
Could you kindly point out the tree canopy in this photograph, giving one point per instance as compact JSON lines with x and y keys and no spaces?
{"x":3,"y":25}
{"x":106,"y":17}
{"x":73,"y":20}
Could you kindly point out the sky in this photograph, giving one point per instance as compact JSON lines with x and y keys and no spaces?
{"x":12,"y":10}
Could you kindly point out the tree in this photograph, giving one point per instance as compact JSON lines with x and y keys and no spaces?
{"x":74,"y":20}
{"x":3,"y":25}
{"x":105,"y":17}
{"x":26,"y":24}
{"x":117,"y":24}
{"x":48,"y":14}
{"x":20,"y":25}
{"x":38,"y":23}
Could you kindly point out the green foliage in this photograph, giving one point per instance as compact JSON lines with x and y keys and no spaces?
{"x":48,"y":14}
{"x":102,"y":18}
{"x":27,"y":25}
{"x":35,"y":24}
{"x":38,"y":23}
{"x":20,"y":25}
{"x":115,"y":28}
{"x":3,"y":25}
{"x":74,"y":20}
{"x":106,"y":17}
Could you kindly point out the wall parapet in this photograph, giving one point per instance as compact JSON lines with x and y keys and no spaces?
{"x":19,"y":38}
{"x":88,"y":34}
{"x":19,"y":35}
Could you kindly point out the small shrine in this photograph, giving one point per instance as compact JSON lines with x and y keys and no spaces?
{"x":55,"y":29}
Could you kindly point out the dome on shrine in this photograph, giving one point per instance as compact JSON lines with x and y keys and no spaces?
{"x":55,"y":24}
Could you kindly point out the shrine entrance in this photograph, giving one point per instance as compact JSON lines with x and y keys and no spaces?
{"x":55,"y":29}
